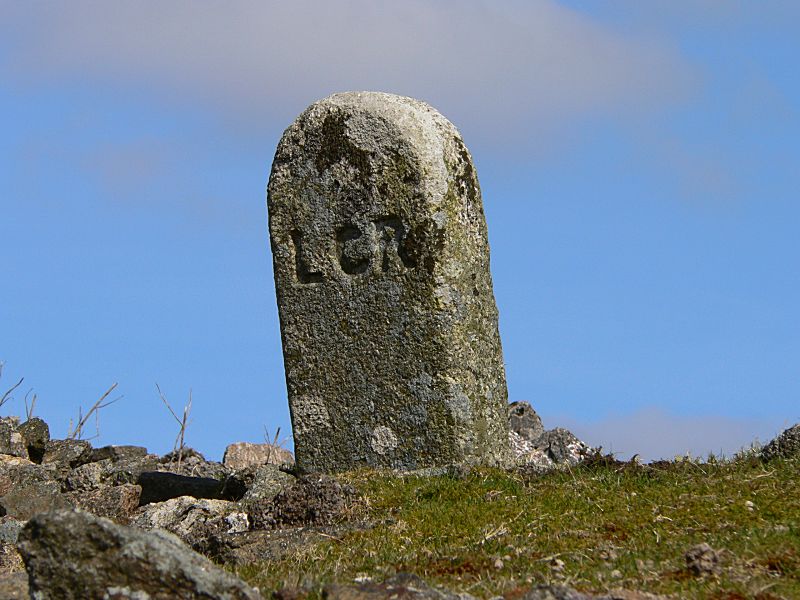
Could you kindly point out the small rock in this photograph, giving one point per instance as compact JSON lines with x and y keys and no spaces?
{"x":23,"y":502}
{"x":19,"y":472}
{"x":191,"y":463}
{"x":9,"y":529}
{"x":524,"y":421}
{"x":498,"y":564}
{"x":702,"y":559}
{"x":557,"y":565}
{"x":161,"y":486}
{"x":116,"y":503}
{"x":106,"y":472}
{"x":11,"y":441}
{"x":562,"y":446}
{"x":786,"y":445}
{"x":402,"y":585}
{"x":8,"y":460}
{"x":73,"y":555}
{"x":257,"y":484}
{"x":14,"y":586}
{"x":555,"y":592}
{"x":118,"y":453}
{"x":311,"y":500}
{"x":35,"y":434}
{"x":68,"y":452}
{"x":244,"y":454}
{"x":193,"y":521}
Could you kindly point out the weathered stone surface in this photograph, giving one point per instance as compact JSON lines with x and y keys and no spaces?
{"x":563,"y":592}
{"x":257,"y":483}
{"x":702,"y":559}
{"x":96,"y":475}
{"x":403,"y":586}
{"x":553,"y":448}
{"x":74,"y":555}
{"x":11,"y":441}
{"x":23,"y":502}
{"x":193,"y":521}
{"x":9,"y":529}
{"x":116,"y":503}
{"x":19,"y":472}
{"x":67,"y":452}
{"x":381,"y":261}
{"x":118,"y":453}
{"x":786,"y":445}
{"x":36,"y":434}
{"x":311,"y":500}
{"x":192,"y":463}
{"x":245,"y":454}
{"x":523,"y":420}
{"x":158,"y":487}
{"x":14,"y":586}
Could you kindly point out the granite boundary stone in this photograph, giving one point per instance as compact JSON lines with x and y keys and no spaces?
{"x":388,"y":318}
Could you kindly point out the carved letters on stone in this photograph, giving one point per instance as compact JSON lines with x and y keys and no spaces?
{"x":379,"y":247}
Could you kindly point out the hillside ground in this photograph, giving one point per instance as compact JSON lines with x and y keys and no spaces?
{"x":599,"y":526}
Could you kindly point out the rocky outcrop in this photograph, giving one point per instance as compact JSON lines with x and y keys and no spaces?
{"x":71,"y":554}
{"x":540,"y":449}
{"x":786,"y":445}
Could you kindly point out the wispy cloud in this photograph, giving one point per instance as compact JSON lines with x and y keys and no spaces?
{"x":504,"y":70}
{"x":654,"y":433}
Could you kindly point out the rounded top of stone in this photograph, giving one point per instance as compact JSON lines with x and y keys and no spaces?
{"x":377,"y":125}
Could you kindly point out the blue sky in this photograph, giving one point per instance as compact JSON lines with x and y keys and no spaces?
{"x":639,"y":164}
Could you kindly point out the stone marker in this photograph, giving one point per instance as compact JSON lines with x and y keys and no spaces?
{"x":388,"y":318}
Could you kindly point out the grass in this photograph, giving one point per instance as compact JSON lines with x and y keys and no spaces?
{"x":597,"y":527}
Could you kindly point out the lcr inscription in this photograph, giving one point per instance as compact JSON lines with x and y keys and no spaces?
{"x":382,"y":246}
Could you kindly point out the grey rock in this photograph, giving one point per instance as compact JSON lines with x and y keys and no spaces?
{"x":554,"y":448}
{"x":245,"y":454}
{"x":702,"y":559}
{"x":403,"y":586}
{"x":562,"y":446}
{"x":266,"y":482}
{"x":23,"y":502}
{"x":73,"y":555}
{"x":96,"y":475}
{"x":36,"y":434}
{"x":19,"y":472}
{"x":116,"y":503}
{"x":786,"y":445}
{"x":191,"y":463}
{"x":161,"y":486}
{"x":264,"y":545}
{"x":194,"y":521}
{"x":563,"y":592}
{"x":523,"y":420}
{"x":311,"y":500}
{"x":388,"y":318}
{"x":14,"y":586}
{"x":118,"y":453}
{"x":554,"y":592}
{"x":9,"y":529}
{"x":11,"y":440}
{"x":68,"y":452}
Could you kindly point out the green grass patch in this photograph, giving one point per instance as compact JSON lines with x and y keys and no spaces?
{"x":597,"y":527}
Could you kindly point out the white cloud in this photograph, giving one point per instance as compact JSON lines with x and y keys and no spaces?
{"x":653,"y":433}
{"x":503,"y":70}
